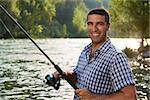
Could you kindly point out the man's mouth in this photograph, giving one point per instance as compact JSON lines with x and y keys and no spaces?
{"x":95,"y":34}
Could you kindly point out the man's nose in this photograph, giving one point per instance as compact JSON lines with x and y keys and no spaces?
{"x":94,"y":28}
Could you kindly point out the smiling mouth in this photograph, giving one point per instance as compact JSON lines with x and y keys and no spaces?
{"x":95,"y":34}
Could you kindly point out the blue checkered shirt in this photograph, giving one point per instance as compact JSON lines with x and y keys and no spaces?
{"x":107,"y":72}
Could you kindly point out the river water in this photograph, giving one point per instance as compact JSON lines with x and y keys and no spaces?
{"x":23,"y":67}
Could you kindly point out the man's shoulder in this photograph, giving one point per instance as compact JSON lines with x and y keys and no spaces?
{"x":87,"y":47}
{"x":114,"y":51}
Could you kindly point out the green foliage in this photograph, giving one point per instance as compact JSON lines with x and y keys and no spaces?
{"x":79,"y":18}
{"x":64,"y":15}
{"x":37,"y":14}
{"x":34,"y":15}
{"x":56,"y":29}
{"x":130,"y":53}
{"x":47,"y":18}
{"x":130,"y":17}
{"x":93,"y":3}
{"x":64,"y":31}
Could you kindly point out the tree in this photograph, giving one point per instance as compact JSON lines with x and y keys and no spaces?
{"x":64,"y":14}
{"x":34,"y":15}
{"x":130,"y":17}
{"x":79,"y":18}
{"x":11,"y":6}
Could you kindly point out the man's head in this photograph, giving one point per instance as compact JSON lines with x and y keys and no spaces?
{"x":97,"y":25}
{"x":100,"y":11}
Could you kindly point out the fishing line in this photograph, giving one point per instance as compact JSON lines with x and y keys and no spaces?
{"x":28,"y":36}
{"x":7,"y":29}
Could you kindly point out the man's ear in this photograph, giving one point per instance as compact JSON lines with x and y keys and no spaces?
{"x":108,"y":25}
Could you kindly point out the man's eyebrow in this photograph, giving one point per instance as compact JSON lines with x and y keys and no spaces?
{"x":89,"y":22}
{"x":100,"y":22}
{"x":95,"y":22}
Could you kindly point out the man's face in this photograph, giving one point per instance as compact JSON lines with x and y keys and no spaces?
{"x":97,"y":28}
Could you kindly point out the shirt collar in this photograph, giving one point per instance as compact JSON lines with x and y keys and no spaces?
{"x":103,"y":48}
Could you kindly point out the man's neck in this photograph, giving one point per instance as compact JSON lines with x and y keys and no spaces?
{"x":95,"y":46}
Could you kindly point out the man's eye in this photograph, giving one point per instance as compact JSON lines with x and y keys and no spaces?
{"x":89,"y":23}
{"x":100,"y":23}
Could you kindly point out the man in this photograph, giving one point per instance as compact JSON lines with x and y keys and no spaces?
{"x":102,"y":72}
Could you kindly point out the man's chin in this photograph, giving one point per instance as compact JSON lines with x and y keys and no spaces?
{"x":97,"y":41}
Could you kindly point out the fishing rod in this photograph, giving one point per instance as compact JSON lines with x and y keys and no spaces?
{"x":28,"y":36}
{"x":51,"y":81}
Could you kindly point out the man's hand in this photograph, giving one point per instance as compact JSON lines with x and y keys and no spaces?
{"x":57,"y":75}
{"x":70,"y":75}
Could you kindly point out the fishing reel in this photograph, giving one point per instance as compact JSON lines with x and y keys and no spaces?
{"x":52,"y":81}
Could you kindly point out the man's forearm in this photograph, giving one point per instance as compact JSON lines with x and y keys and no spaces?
{"x":115,"y":96}
{"x":129,"y":94}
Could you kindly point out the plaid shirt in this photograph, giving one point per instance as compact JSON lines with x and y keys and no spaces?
{"x":107,"y":72}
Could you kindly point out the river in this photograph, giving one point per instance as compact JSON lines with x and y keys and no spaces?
{"x":23,"y":67}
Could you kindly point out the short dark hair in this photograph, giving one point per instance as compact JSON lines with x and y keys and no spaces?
{"x":100,"y":11}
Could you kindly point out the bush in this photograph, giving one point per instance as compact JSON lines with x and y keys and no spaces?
{"x":130,"y":52}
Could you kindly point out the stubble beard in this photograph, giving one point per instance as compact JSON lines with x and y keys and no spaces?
{"x":98,"y":39}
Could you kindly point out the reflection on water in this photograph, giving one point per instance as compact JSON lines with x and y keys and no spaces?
{"x":23,"y":68}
